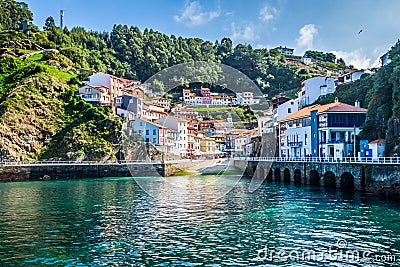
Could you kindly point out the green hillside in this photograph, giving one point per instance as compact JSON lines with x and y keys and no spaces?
{"x":40,"y":116}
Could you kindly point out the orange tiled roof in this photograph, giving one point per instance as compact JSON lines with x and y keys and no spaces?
{"x":332,"y":107}
{"x":377,"y":141}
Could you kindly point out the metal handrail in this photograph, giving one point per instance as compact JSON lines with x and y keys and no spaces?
{"x":359,"y":160}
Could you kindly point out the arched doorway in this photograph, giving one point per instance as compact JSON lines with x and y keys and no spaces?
{"x":314,"y":177}
{"x":286,"y":175}
{"x":297,"y":176}
{"x":277,"y":175}
{"x":330,"y":179}
{"x":347,"y":182}
{"x":269,"y":176}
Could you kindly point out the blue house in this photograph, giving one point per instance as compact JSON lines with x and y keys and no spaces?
{"x":327,"y":131}
{"x":151,"y":132}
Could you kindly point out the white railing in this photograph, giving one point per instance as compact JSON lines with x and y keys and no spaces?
{"x":380,"y":160}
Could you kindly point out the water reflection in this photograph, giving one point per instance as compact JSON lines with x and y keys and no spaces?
{"x":113,"y":221}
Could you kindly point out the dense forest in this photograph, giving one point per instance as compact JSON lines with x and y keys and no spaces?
{"x":128,"y":52}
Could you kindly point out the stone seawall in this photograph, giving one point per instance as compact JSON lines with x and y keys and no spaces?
{"x":71,"y":171}
{"x":379,"y":179}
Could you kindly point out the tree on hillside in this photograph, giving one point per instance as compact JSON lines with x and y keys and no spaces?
{"x":13,"y":14}
{"x":49,"y":24}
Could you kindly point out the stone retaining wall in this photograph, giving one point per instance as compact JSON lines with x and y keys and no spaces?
{"x":378,"y":179}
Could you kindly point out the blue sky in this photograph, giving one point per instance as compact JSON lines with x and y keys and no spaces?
{"x":329,"y":26}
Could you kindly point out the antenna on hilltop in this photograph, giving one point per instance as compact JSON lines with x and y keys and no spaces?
{"x":61,"y":19}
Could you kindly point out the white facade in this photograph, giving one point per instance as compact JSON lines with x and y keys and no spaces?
{"x":179,"y":125}
{"x":286,"y":109}
{"x":240,"y":142}
{"x":247,"y":98}
{"x":114,"y":84}
{"x":130,"y":115}
{"x":352,"y":76}
{"x":166,"y":103}
{"x":314,"y":88}
{"x":306,"y":60}
{"x":196,"y":146}
{"x":337,"y":142}
{"x":100,"y":79}
{"x":95,"y":94}
{"x":220,"y":101}
{"x":377,"y":147}
{"x":265,"y":124}
{"x":296,"y":142}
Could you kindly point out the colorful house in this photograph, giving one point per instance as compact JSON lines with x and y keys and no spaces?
{"x":151,"y":132}
{"x":321,"y":131}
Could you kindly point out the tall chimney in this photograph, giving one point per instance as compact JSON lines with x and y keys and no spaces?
{"x":357,"y":104}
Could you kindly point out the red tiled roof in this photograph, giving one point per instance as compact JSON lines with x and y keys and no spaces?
{"x":342,"y":107}
{"x":377,"y":141}
{"x":332,"y":107}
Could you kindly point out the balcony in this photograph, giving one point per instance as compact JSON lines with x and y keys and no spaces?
{"x":336,"y":141}
{"x":295,"y":144}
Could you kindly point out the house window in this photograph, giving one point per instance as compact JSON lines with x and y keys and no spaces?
{"x":147,"y":132}
{"x":289,"y":110}
{"x":141,"y":123}
{"x":154,"y":132}
{"x":305,"y":139}
{"x":154,"y":140}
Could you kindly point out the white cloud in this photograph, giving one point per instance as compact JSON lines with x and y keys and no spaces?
{"x":307,"y":34}
{"x":245,"y":33}
{"x":193,"y":14}
{"x":357,"y":58}
{"x":268,"y":13}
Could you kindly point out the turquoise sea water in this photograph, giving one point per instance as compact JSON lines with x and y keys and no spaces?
{"x":113,"y":222}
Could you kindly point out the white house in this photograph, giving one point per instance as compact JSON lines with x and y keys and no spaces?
{"x":247,"y":98}
{"x":352,"y":76}
{"x":307,"y":60}
{"x":166,"y":103}
{"x":377,"y":147}
{"x":95,"y":94}
{"x":220,"y":100}
{"x":240,"y":142}
{"x":180,"y":125}
{"x":285,"y":109}
{"x":285,"y":50}
{"x":265,"y":123}
{"x":314,"y":88}
{"x":114,"y":84}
